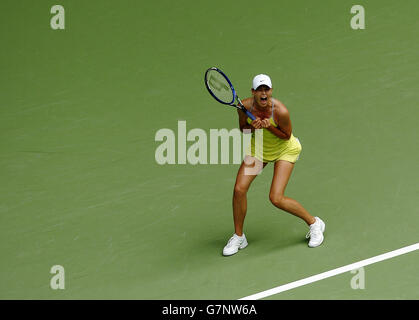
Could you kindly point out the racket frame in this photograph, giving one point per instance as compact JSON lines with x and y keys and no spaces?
{"x":236,"y":102}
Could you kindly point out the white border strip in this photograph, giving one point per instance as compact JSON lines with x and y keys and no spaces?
{"x":332,"y":273}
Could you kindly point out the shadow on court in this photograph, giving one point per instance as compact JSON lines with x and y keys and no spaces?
{"x":259,"y":245}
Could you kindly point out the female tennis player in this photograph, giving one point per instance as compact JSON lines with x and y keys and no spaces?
{"x":279,"y":147}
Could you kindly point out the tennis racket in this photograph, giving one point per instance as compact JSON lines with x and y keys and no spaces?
{"x":221,"y":88}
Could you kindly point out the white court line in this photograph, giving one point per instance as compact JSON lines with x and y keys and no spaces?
{"x":332,"y":273}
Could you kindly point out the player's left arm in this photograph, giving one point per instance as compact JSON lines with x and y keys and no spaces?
{"x":282,"y":119}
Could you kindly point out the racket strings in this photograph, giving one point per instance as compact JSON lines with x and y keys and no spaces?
{"x":220,"y":87}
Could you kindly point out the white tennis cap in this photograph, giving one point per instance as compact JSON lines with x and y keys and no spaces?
{"x":261,"y":79}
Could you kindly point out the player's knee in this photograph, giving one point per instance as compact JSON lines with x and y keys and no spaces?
{"x":278,"y":200}
{"x":239,"y":190}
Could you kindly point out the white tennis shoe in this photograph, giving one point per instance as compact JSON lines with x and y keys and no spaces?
{"x":316,"y":233}
{"x":234,"y":244}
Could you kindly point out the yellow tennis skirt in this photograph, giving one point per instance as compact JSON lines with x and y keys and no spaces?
{"x":292,"y":151}
{"x":287,"y":150}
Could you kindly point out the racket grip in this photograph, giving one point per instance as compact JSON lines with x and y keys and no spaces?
{"x":249,"y":114}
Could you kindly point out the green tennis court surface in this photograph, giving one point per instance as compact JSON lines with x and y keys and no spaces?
{"x":80,"y":186}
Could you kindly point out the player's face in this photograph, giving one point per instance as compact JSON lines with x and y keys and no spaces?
{"x":262,"y":95}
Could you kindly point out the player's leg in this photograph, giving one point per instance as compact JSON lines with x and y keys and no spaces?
{"x":282,"y":173}
{"x":245,"y":177}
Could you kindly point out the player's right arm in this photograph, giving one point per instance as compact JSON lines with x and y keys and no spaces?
{"x":243,"y":124}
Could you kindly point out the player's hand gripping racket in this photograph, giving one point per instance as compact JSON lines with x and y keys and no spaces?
{"x":221,"y":88}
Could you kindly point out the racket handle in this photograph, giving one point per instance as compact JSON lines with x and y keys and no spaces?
{"x":249,"y":114}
